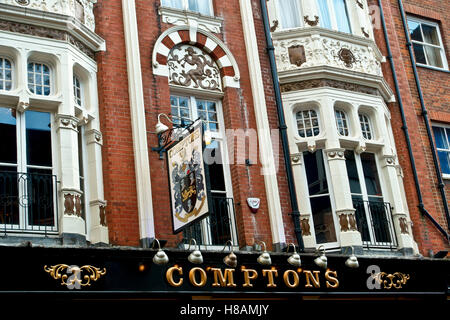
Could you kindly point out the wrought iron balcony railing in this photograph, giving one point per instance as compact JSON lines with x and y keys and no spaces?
{"x":374,"y":220}
{"x":218,"y":228}
{"x":28,"y":203}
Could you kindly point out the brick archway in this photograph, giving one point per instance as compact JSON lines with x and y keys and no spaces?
{"x":201,"y":39}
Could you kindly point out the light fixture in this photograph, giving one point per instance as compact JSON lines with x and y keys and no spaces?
{"x":161,"y":127}
{"x":264,"y":258}
{"x":321,"y":260}
{"x":231,"y":259}
{"x":195,"y":256}
{"x":294,"y":259}
{"x":160,"y":257}
{"x":352,"y":261}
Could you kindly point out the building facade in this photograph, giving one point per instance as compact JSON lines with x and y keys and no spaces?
{"x":314,"y":136}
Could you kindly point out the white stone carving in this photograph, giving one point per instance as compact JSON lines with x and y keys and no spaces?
{"x":190,"y":67}
{"x":323,"y":50}
{"x":66,"y":7}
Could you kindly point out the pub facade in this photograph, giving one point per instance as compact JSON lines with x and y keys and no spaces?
{"x":184,"y":149}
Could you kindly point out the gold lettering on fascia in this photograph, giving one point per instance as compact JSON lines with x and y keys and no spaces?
{"x":199,"y":277}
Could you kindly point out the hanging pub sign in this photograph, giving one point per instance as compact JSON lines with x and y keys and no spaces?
{"x":188,"y":180}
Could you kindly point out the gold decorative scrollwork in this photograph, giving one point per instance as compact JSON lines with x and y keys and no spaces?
{"x":63,"y":271}
{"x":395,"y":280}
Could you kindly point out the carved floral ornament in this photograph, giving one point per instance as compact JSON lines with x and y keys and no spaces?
{"x":190,"y":67}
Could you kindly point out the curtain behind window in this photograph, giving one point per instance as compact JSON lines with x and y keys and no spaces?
{"x":324,"y":14}
{"x":340,"y":10}
{"x":289,"y":13}
{"x":200,"y":6}
{"x":177,"y":4}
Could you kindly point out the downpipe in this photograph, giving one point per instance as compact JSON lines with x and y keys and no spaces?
{"x":283,"y":128}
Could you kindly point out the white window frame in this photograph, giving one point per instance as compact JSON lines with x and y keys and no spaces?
{"x":365,"y":196}
{"x":221,"y":137}
{"x":300,"y":13}
{"x":444,"y":126}
{"x":186,"y":7}
{"x":328,"y":245}
{"x":3,"y":79}
{"x":440,"y":47}
{"x":307,"y":108}
{"x":369,"y":121}
{"x":22,"y":166}
{"x":51,"y":76}
{"x":80,"y":89}
{"x":347,"y":122}
{"x":332,"y":13}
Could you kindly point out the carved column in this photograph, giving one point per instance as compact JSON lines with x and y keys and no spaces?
{"x":345,"y":213}
{"x":395,"y":191}
{"x":98,"y":223}
{"x":72,"y":222}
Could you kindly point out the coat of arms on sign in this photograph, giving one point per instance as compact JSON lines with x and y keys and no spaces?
{"x":188,"y":190}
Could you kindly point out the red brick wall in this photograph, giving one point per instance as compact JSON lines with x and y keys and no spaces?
{"x":118,"y":161}
{"x":435,"y":86}
{"x":237,"y":104}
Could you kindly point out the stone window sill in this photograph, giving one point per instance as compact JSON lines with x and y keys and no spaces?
{"x":182,"y":17}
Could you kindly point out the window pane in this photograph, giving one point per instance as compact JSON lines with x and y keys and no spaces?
{"x":340,"y":9}
{"x":352,"y":172}
{"x":371,"y":174}
{"x":307,"y":123}
{"x":200,"y":6}
{"x":8,"y":135}
{"x":414,"y":31}
{"x":213,"y":160}
{"x":434,"y":56}
{"x":289,"y":13}
{"x":341,"y":123}
{"x":39,"y":146}
{"x":444,"y":159}
{"x":40,"y":193}
{"x":419,"y":53}
{"x":9,"y":196}
{"x":324,"y":15}
{"x":177,"y":4}
{"x":361,"y":218}
{"x":315,"y":173}
{"x":440,"y":138}
{"x":323,"y":219}
{"x":430,"y":34}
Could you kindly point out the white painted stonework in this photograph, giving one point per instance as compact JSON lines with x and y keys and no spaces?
{"x":74,"y":8}
{"x":322,"y":48}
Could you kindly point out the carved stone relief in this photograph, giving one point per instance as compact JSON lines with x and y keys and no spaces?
{"x":69,"y":204}
{"x":403,"y":225}
{"x":347,"y":222}
{"x":102,"y":212}
{"x":44,"y":32}
{"x":312,"y":23}
{"x":326,"y":51}
{"x":319,"y":83}
{"x":304,"y":224}
{"x":190,"y":67}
